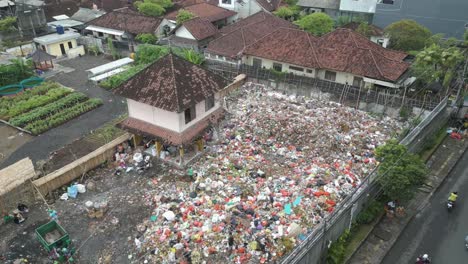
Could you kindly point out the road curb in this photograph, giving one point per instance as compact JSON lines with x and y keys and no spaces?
{"x":426,"y":199}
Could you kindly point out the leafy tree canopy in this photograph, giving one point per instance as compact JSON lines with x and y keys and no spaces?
{"x":146,"y":38}
{"x":407,"y":35}
{"x":437,"y":63}
{"x":364,"y":29}
{"x":400,"y":171}
{"x":150,"y":9}
{"x":284,"y":12}
{"x":7,"y":24}
{"x":317,"y":24}
{"x":183,"y":16}
{"x":146,"y":54}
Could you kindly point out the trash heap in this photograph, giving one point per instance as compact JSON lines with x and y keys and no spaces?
{"x":281,"y":164}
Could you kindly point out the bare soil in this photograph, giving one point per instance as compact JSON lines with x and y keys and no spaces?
{"x":10,"y":140}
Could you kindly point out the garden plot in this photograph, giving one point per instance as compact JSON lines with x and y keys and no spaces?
{"x":45,"y":107}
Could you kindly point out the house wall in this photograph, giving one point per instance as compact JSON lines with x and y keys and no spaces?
{"x":160,"y":30}
{"x":341,"y":77}
{"x":248,"y":8}
{"x":200,"y":113}
{"x":54,"y":48}
{"x":182,"y":32}
{"x":376,"y":39}
{"x":153,"y":115}
{"x":105,"y":36}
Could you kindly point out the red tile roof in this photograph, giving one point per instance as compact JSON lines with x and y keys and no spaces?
{"x":341,"y":50}
{"x":140,"y":127}
{"x":128,"y":20}
{"x":172,"y":83}
{"x":269,"y":5}
{"x":235,"y":37}
{"x":200,"y":28}
{"x":204,"y":10}
{"x":374,"y":30}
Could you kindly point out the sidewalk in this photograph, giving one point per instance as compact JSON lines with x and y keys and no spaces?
{"x":387,"y":231}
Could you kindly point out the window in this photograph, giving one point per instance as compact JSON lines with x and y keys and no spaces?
{"x":100,"y":34}
{"x":380,"y":42}
{"x":70,"y":46}
{"x":209,"y":103}
{"x":294,"y":68}
{"x":309,"y":71}
{"x":226,"y":2}
{"x":257,"y":63}
{"x":43,"y":47}
{"x":331,"y":76}
{"x":277,"y":66}
{"x":189,"y":114}
{"x":388,"y":2}
{"x":357,"y":81}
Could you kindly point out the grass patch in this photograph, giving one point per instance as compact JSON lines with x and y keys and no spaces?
{"x":432,"y":143}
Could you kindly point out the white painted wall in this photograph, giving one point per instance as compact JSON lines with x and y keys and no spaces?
{"x":375,"y":39}
{"x":182,"y":32}
{"x":341,"y":77}
{"x":248,"y":7}
{"x":153,"y":115}
{"x":200,"y":113}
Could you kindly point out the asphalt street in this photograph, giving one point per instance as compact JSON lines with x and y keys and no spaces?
{"x":434,"y":230}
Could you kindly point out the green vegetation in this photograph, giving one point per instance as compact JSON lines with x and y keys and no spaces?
{"x":432,"y":143}
{"x":44,"y":107}
{"x":317,"y":24}
{"x":400,"y":171}
{"x":61,"y":117}
{"x":284,"y":12}
{"x":47,"y":110}
{"x":364,"y":29}
{"x":147,"y":38}
{"x":407,"y":35}
{"x":437,"y":62}
{"x":153,"y":7}
{"x":15,"y":72}
{"x":7,"y":24}
{"x":145,"y":55}
{"x":183,"y":16}
{"x":336,"y":252}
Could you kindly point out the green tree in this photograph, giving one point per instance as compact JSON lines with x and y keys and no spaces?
{"x":437,"y":63}
{"x":193,"y":56}
{"x":364,"y":29}
{"x":7,"y":24}
{"x":407,"y":35}
{"x":163,"y":3}
{"x":317,"y":24}
{"x":284,"y":12}
{"x":400,"y":171}
{"x":183,"y":16}
{"x":147,"y":38}
{"x":146,"y":54}
{"x":151,"y":9}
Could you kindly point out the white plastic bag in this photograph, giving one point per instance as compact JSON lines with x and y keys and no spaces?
{"x":64,"y":197}
{"x":81,"y":188}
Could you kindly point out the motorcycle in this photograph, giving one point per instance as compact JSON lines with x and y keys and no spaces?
{"x":450,"y":205}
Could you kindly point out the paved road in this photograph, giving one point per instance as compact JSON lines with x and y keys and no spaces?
{"x":39,"y":147}
{"x":436,"y":231}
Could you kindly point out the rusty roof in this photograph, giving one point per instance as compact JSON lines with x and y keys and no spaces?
{"x":200,"y":28}
{"x":236,"y":37}
{"x":341,"y":50}
{"x":172,"y":83}
{"x":204,"y":10}
{"x":128,"y":20}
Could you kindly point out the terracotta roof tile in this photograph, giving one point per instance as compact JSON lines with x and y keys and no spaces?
{"x":126,"y":19}
{"x":209,"y":12}
{"x":172,"y":83}
{"x":269,"y":5}
{"x":137,"y":126}
{"x":341,"y":50}
{"x":374,"y":30}
{"x":200,"y":28}
{"x":236,"y":37}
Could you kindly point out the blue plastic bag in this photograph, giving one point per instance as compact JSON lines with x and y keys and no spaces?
{"x":72,"y":191}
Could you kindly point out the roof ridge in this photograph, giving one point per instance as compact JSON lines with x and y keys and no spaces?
{"x":350,"y":33}
{"x":174,"y":80}
{"x":376,"y":64}
{"x":245,"y":47}
{"x":313,"y":50}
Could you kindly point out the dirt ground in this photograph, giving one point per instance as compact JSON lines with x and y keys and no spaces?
{"x":107,"y":240}
{"x":10,"y":140}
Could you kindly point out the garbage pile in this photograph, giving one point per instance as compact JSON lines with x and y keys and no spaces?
{"x":280,"y":166}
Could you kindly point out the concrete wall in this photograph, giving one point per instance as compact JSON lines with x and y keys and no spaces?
{"x":376,"y":40}
{"x":75,"y":52}
{"x":182,"y":32}
{"x":200,"y":114}
{"x":153,"y":115}
{"x":72,"y":171}
{"x":248,"y":8}
{"x":54,"y":48}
